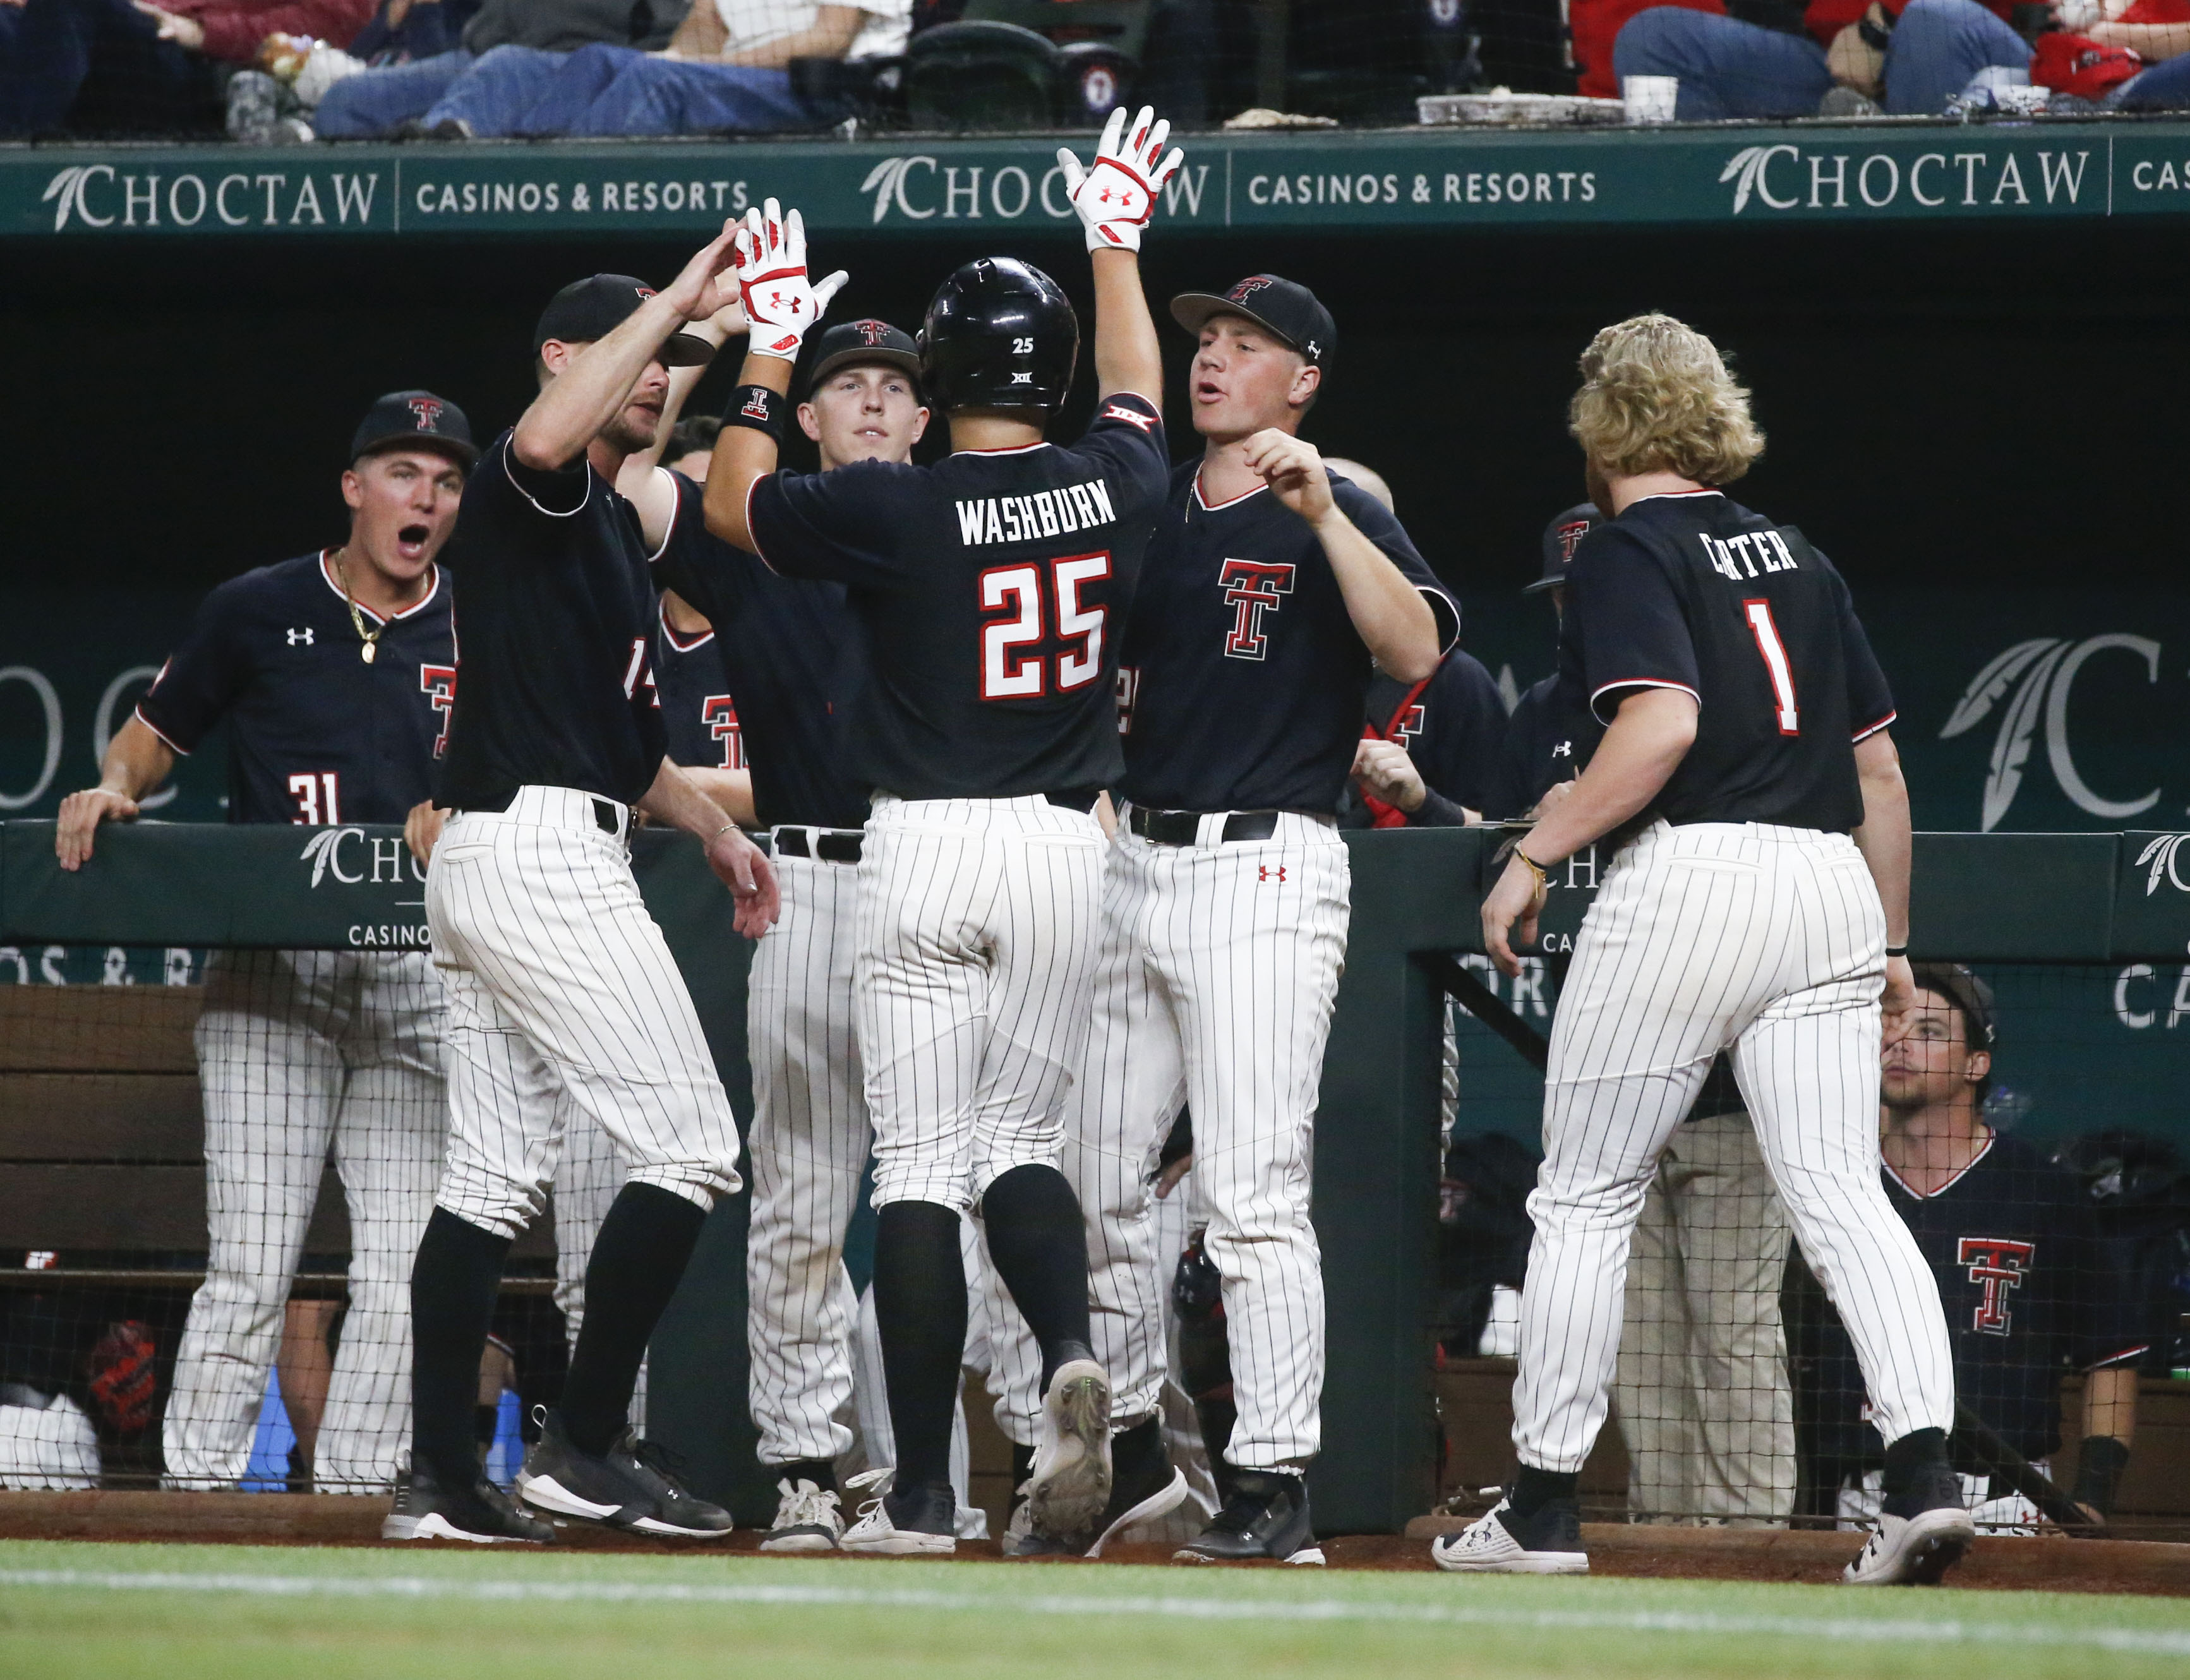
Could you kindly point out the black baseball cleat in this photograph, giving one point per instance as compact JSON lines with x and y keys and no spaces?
{"x":1915,"y":1548}
{"x":1548,"y":1542}
{"x":630,"y":1486}
{"x":480,"y":1512}
{"x":1143,"y":1486}
{"x":1266,"y":1517}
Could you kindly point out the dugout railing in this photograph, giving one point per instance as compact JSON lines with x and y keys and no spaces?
{"x":92,"y":1147}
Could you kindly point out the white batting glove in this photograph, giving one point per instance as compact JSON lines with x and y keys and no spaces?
{"x":1116,"y":197}
{"x":780,"y":302}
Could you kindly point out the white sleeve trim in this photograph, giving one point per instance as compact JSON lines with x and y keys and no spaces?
{"x":1603,"y":690}
{"x":1434,"y":594}
{"x":550,"y":512}
{"x":139,"y":712}
{"x":1866,"y":733}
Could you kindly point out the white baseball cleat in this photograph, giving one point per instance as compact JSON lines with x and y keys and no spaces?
{"x":923,"y":1522}
{"x":807,"y":1519}
{"x":1488,"y":1546}
{"x":1068,"y":1487}
{"x":1912,"y":1551}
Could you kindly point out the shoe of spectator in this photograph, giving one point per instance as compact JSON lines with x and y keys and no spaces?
{"x":1847,"y":102}
{"x":450,"y":128}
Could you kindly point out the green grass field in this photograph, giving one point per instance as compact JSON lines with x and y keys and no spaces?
{"x":177,"y":1612}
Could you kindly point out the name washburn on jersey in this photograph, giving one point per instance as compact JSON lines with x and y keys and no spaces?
{"x":987,"y":590}
{"x":1695,"y":592}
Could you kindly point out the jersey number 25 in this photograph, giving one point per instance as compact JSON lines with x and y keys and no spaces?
{"x":1028,"y":614}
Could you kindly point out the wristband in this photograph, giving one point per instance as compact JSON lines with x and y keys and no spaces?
{"x":1897,"y":950}
{"x":759,"y":408}
{"x":1543,"y":880}
{"x":2099,"y":1464}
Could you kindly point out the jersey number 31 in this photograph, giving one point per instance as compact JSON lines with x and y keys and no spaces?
{"x":1028,"y":615}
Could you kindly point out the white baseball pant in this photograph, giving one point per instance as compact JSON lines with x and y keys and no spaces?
{"x":807,"y":1153}
{"x":1220,"y":966}
{"x":976,"y":953}
{"x":1769,"y":941}
{"x":299,"y":1050}
{"x":1701,"y":1385}
{"x":560,"y":985}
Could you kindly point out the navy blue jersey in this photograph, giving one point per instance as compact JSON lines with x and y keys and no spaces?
{"x":788,"y":644}
{"x":1548,"y":739}
{"x":699,"y":714}
{"x":315,"y":734}
{"x":1452,"y":726}
{"x":989,"y":588}
{"x":2031,"y":1291}
{"x":554,"y":637}
{"x":1243,"y":681}
{"x":1695,"y":592}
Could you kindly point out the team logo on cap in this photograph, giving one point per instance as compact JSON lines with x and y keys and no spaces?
{"x":1247,"y":288}
{"x":429,"y":410}
{"x":1569,"y":537}
{"x":873,"y":332}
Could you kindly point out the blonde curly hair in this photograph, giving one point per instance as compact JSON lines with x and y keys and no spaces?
{"x":1655,"y":397}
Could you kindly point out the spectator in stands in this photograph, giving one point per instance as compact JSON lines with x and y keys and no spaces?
{"x":727,"y":68}
{"x":2030,"y":1290}
{"x":1911,"y":57}
{"x":138,"y":66}
{"x":528,"y":38}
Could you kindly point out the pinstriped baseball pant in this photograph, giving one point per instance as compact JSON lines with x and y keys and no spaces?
{"x":809,"y":1141}
{"x":978,"y":921}
{"x":561,"y":986}
{"x":1768,"y":941}
{"x":1219,"y":970}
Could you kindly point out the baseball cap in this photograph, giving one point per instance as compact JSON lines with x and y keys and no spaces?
{"x":1968,"y":994}
{"x":1286,"y":307}
{"x":863,"y":341}
{"x":595,"y":307}
{"x":1561,"y":537}
{"x":414,"y":418}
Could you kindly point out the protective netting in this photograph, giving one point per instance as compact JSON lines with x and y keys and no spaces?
{"x":2049,"y":1200}
{"x":217,"y":1167}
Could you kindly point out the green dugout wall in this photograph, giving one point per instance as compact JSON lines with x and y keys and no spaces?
{"x":2116,"y":902}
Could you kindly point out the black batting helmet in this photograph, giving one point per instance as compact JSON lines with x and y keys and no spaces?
{"x":999,"y":334}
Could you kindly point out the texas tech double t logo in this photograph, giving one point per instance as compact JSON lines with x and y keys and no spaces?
{"x":1999,"y":1265}
{"x":1253,"y":587}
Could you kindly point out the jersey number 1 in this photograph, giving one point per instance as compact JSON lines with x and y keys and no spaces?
{"x":1008,"y":675}
{"x":1759,"y":614}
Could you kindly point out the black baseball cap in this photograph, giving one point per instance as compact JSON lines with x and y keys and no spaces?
{"x":1969,"y":995}
{"x":416,"y":419}
{"x":1561,"y":537}
{"x":593,"y":307}
{"x":1286,"y":307}
{"x":863,"y":341}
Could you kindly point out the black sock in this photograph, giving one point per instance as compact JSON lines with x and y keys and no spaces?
{"x":1534,"y":1488}
{"x":1917,"y":1473}
{"x":638,"y":1260}
{"x":920,"y":1308}
{"x":819,"y":1471}
{"x":1040,"y":1248}
{"x":453,"y":1283}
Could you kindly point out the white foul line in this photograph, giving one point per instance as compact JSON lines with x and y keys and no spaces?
{"x":1951,"y":1630}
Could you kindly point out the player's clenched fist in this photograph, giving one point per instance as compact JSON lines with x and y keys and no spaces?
{"x":781,"y":301}
{"x":1386,"y":771}
{"x":1293,"y":468}
{"x":81,"y":813}
{"x":1116,"y":196}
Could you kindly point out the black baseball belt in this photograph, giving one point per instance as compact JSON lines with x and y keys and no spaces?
{"x":1184,"y":828}
{"x":831,"y":845}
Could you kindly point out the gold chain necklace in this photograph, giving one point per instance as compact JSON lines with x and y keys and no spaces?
{"x":370,"y":638}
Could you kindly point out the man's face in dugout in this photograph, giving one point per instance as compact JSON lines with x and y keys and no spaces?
{"x":403,"y":505}
{"x":1931,"y":1061}
{"x":1245,"y":378}
{"x":867,"y":411}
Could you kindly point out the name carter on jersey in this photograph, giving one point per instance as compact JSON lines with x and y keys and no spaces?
{"x":1728,"y":556}
{"x":1025,"y":519}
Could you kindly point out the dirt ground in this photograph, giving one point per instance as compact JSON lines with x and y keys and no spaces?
{"x":2046,"y":1565}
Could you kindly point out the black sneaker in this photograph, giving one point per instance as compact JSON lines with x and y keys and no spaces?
{"x":630,"y":1486}
{"x":481,"y":1513}
{"x":1266,"y":1517}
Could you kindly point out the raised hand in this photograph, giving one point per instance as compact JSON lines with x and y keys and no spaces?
{"x":781,"y":301}
{"x":1117,"y":194}
{"x":1293,"y":468}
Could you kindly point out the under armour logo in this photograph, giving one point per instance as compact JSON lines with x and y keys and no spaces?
{"x":1564,"y":750}
{"x":873,"y":332}
{"x":1262,"y":871}
{"x":297,"y":636}
{"x":429,"y":410}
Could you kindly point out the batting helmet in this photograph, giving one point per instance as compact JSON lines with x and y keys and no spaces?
{"x":999,"y":334}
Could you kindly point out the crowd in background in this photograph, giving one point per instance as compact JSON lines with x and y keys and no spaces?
{"x":274,"y":70}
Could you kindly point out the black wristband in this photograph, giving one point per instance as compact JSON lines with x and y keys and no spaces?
{"x":759,"y":408}
{"x":1897,"y":950}
{"x":2099,"y":1464}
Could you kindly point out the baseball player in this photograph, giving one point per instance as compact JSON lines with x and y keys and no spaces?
{"x":786,"y":642}
{"x":988,"y":588}
{"x":1550,"y":734}
{"x":335,"y":673}
{"x":561,"y":988}
{"x":1268,"y":590}
{"x":1756,"y":901}
{"x":2029,"y":1287}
